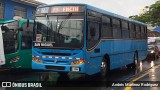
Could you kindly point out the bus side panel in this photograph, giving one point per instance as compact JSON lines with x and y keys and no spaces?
{"x":142,"y":53}
{"x":94,"y":60}
{"x":25,"y":59}
{"x":122,"y":52}
{"x":118,"y":52}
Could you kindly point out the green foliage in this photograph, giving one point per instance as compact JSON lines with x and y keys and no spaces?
{"x":151,"y":15}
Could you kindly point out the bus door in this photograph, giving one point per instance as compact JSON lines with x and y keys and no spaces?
{"x":93,"y":47}
{"x":2,"y":58}
{"x":25,"y":52}
{"x":11,"y":40}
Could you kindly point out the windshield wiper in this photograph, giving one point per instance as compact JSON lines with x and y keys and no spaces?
{"x":64,"y":22}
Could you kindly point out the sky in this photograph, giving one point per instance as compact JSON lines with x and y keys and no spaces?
{"x":122,"y":7}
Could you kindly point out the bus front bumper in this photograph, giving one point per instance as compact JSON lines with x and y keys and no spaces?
{"x":59,"y":68}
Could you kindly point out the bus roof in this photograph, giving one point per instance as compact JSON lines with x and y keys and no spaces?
{"x":12,"y":20}
{"x":6,"y":21}
{"x":99,"y":10}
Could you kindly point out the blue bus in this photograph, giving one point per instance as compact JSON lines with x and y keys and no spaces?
{"x":80,"y":38}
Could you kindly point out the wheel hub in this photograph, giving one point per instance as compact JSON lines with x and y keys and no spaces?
{"x":103,"y":67}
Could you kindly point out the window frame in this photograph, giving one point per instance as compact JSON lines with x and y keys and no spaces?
{"x":21,"y":10}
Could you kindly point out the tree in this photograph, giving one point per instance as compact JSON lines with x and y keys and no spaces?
{"x":151,"y":15}
{"x":155,"y":13}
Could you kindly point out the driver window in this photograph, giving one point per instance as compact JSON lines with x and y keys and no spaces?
{"x":93,"y":31}
{"x":93,"y":34}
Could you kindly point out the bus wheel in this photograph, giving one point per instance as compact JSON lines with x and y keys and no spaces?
{"x":44,"y":77}
{"x":104,"y":68}
{"x":135,"y":59}
{"x":63,"y":77}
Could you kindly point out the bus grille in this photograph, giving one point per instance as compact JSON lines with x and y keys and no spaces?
{"x":55,"y":67}
{"x":56,"y":54}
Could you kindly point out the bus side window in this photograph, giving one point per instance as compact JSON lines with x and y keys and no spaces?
{"x":27,"y":36}
{"x":9,"y":42}
{"x":116,"y":28}
{"x":125,"y":30}
{"x":145,"y":33}
{"x":138,"y":32}
{"x":106,"y":30}
{"x":93,"y":34}
{"x":142,"y":32}
{"x":132,"y":31}
{"x":93,"y":31}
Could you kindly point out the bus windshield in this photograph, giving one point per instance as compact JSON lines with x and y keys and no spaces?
{"x":59,"y":31}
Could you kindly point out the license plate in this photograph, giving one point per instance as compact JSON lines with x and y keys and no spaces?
{"x":75,"y":69}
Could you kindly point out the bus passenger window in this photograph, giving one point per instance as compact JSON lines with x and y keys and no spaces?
{"x":116,"y":28}
{"x":138,"y":32}
{"x":93,"y":31}
{"x":106,"y":29}
{"x":93,"y":34}
{"x":125,"y":30}
{"x":132,"y":31}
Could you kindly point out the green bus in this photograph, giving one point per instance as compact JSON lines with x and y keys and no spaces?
{"x":17,"y":40}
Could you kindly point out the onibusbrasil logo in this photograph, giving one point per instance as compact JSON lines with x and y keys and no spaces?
{"x":20,"y":84}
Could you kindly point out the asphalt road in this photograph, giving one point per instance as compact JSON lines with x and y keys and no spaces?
{"x":147,"y":70}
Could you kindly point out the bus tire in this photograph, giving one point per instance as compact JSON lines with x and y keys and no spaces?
{"x":135,"y":62}
{"x":104,"y":68}
{"x":63,"y":76}
{"x":44,"y":77}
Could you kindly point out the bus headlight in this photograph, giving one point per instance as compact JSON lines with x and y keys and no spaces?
{"x":80,"y":61}
{"x":36,"y":60}
{"x":14,"y":59}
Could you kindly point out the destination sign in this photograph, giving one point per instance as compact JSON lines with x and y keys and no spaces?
{"x":65,"y":9}
{"x":60,"y":9}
